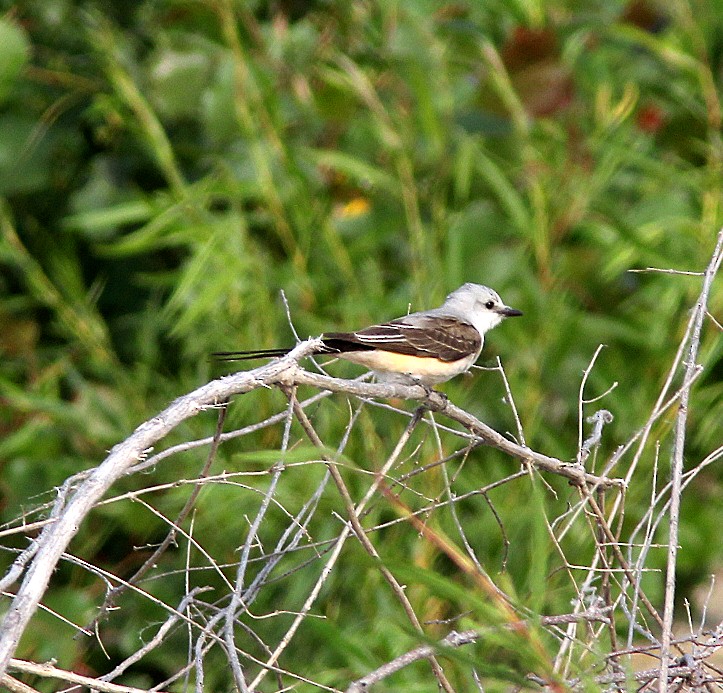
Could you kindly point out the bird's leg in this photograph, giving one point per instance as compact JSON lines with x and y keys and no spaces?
{"x":427,"y":388}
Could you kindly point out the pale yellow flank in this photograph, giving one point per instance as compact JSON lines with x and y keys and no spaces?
{"x":427,"y":370}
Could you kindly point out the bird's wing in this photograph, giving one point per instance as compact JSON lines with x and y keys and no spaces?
{"x":444,"y":337}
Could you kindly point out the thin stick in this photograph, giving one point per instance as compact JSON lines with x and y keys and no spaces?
{"x":368,"y":546}
{"x":53,"y":672}
{"x":677,"y":464}
{"x":459,"y":639}
{"x":171,"y":536}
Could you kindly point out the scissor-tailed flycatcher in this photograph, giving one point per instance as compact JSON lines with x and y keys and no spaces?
{"x":428,"y":347}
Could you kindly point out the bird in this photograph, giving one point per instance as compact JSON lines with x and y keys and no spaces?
{"x":424,"y":348}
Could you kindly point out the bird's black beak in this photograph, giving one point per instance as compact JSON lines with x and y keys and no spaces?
{"x":508,"y":312}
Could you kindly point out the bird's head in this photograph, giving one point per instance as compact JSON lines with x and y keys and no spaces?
{"x":479,"y":305}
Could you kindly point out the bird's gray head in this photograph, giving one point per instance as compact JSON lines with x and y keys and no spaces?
{"x":479,"y":305}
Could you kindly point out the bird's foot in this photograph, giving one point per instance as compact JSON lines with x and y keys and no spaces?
{"x":428,"y":389}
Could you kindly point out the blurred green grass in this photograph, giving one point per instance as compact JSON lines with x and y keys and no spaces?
{"x":167,"y":168}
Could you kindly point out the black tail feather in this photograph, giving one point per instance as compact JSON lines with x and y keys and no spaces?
{"x":248,"y":355}
{"x":335,"y":343}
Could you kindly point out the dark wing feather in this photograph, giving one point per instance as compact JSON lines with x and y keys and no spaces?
{"x":446,"y":338}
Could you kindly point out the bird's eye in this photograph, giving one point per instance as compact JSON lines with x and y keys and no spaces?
{"x":490,"y":305}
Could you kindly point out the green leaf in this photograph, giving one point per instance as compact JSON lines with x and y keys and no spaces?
{"x":14,"y":54}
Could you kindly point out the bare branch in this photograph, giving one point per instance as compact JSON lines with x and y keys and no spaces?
{"x":677,"y":460}
{"x":457,"y":639}
{"x":52,"y":672}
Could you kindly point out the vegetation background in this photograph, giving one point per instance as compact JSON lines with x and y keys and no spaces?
{"x":167,"y":167}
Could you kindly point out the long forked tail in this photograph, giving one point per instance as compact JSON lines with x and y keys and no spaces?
{"x":334,"y":343}
{"x":247,"y":355}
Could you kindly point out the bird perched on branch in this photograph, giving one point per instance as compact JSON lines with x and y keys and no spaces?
{"x":426,"y":348}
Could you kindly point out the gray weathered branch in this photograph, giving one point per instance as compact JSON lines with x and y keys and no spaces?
{"x":56,"y":536}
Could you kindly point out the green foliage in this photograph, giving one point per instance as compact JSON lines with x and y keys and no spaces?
{"x":167,"y":168}
{"x":16,"y":50}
